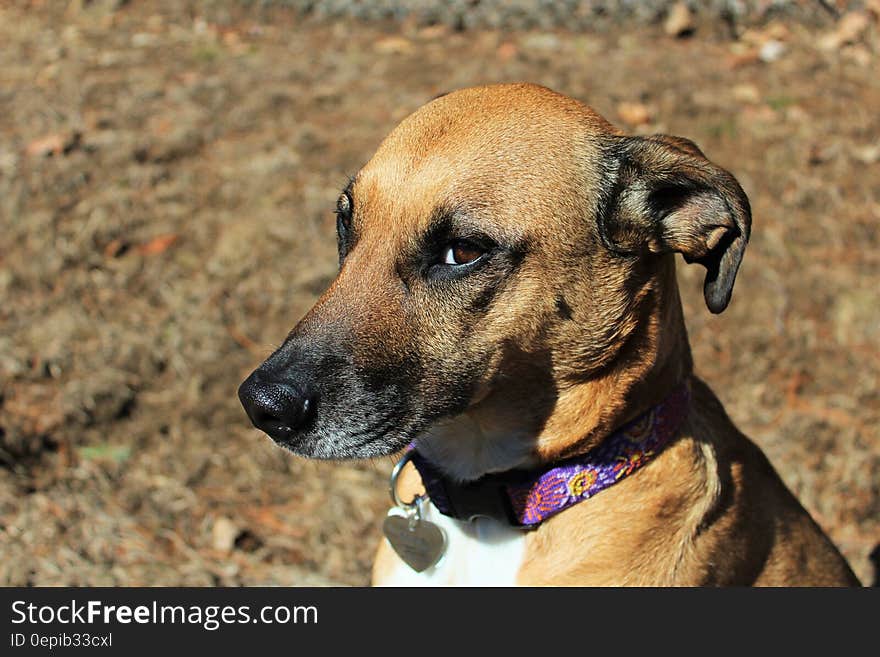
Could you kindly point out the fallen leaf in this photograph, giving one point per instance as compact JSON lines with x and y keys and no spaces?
{"x":850,"y":28}
{"x":223,"y":534}
{"x":868,"y":154}
{"x":740,"y":59}
{"x":48,"y":145}
{"x":772,"y":32}
{"x":54,"y":144}
{"x":115,"y":248}
{"x":157,"y":244}
{"x":680,"y":21}
{"x":275,"y":519}
{"x":393,"y":45}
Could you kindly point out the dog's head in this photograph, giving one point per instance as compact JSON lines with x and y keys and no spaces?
{"x":498,"y":251}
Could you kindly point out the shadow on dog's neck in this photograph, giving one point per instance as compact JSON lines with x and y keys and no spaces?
{"x":654,"y":361}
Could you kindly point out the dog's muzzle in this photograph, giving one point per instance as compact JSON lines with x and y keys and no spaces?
{"x":311,"y":398}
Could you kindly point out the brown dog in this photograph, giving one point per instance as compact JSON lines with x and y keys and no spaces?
{"x":507,"y":298}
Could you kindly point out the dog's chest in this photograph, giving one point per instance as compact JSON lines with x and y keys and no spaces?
{"x":482,"y":552}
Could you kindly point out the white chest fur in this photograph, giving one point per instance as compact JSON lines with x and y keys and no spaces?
{"x":482,"y":552}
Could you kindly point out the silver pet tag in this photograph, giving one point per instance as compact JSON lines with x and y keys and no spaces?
{"x":418,"y":542}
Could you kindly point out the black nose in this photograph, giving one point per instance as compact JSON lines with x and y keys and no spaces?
{"x":279,"y":409}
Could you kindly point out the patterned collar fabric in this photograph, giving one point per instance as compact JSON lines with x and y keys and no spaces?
{"x":525,"y":498}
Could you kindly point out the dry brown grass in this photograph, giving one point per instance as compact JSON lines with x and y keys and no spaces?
{"x":166,"y":188}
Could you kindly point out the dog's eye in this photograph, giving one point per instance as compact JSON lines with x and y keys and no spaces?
{"x":462,"y":252}
{"x":343,"y":213}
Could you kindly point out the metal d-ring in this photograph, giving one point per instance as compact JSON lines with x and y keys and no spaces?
{"x":413,"y":508}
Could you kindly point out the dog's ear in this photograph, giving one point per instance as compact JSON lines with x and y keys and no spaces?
{"x":668,"y":197}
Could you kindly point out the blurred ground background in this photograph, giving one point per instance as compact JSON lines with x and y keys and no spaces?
{"x":168,"y":172}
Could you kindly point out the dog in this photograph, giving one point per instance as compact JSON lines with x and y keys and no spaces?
{"x":506,"y":311}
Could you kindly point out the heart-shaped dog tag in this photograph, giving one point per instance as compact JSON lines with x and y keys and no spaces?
{"x":419,"y":543}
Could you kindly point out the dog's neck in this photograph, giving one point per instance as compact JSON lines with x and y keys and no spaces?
{"x":494,"y":436}
{"x":654,"y":361}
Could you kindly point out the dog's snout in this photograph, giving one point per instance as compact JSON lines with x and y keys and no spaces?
{"x":277,"y":408}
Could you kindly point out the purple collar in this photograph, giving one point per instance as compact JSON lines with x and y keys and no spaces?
{"x":525,"y":498}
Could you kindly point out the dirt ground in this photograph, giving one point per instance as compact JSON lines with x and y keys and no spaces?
{"x":167,"y":181}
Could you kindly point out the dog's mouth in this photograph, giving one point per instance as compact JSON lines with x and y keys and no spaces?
{"x":383,"y":439}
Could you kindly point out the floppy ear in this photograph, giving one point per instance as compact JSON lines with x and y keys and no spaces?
{"x":668,"y":197}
